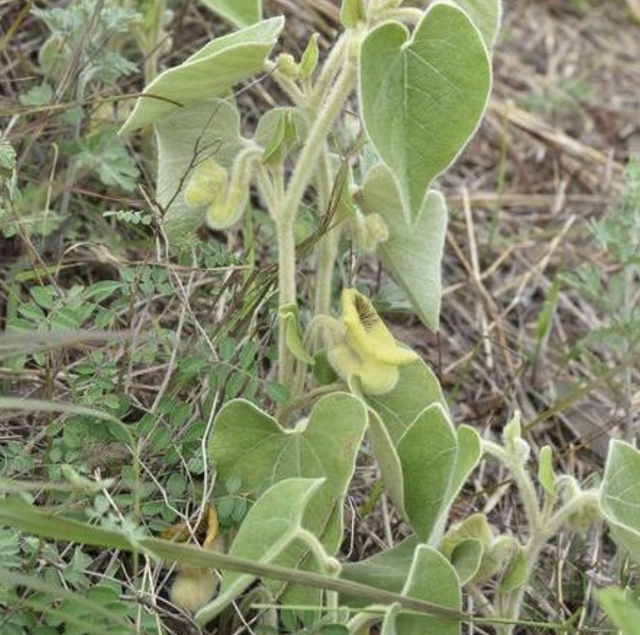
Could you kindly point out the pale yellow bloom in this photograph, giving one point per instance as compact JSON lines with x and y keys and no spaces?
{"x":367,"y":350}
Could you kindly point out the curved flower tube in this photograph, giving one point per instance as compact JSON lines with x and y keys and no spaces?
{"x":366,"y":349}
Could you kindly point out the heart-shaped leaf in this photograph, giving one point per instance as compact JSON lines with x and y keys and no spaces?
{"x":423,"y":96}
{"x":417,"y":389}
{"x":250,"y":444}
{"x":475,"y":528}
{"x":269,"y":527}
{"x":427,"y":453}
{"x":387,"y":570}
{"x":486,"y":15}
{"x":467,"y":559}
{"x":210,"y":72}
{"x":186,"y":138}
{"x":240,"y":13}
{"x":620,"y":496}
{"x":413,"y":253}
{"x":431,"y":578}
{"x":388,"y":460}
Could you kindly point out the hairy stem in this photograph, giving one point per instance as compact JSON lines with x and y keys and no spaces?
{"x":543,"y":526}
{"x":328,"y":245}
{"x":285,"y":219}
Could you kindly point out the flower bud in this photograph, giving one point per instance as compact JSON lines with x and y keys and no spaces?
{"x":192,"y":589}
{"x":288,"y":66}
{"x":207,"y":181}
{"x":368,"y":232}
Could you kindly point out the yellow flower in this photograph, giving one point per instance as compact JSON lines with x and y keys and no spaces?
{"x":367,"y":350}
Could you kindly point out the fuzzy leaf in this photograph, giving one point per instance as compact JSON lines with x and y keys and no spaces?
{"x":240,"y":13}
{"x":622,"y":608}
{"x":270,"y":526}
{"x":486,"y":15}
{"x":387,"y":570}
{"x":516,"y":573}
{"x":423,"y":96}
{"x":388,"y":460}
{"x":211,"y":72}
{"x":413,"y":253}
{"x":208,"y":129}
{"x":620,"y":496}
{"x":248,"y":443}
{"x":545,"y":470}
{"x":427,"y":453}
{"x":417,"y":388}
{"x":467,"y":559}
{"x":431,"y":578}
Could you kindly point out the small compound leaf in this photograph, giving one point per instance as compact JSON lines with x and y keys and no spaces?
{"x":240,"y":13}
{"x":620,"y":496}
{"x":197,"y":133}
{"x":412,"y":254}
{"x":269,"y":527}
{"x":432,"y":578}
{"x":427,"y":453}
{"x":417,"y":389}
{"x":422,"y":100}
{"x":211,"y":72}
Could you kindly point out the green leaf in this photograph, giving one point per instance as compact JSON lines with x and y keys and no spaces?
{"x":621,"y":607}
{"x":249,"y":443}
{"x":211,"y":72}
{"x":620,"y":496}
{"x":279,"y":131}
{"x":516,"y":572}
{"x":352,"y":13}
{"x":293,"y":338}
{"x":423,"y":96}
{"x":467,"y":559}
{"x":271,"y":525}
{"x":434,"y":579}
{"x":277,"y":392}
{"x":240,"y":13}
{"x":387,"y":570}
{"x":186,"y":138}
{"x":417,"y":388}
{"x":310,"y":57}
{"x":10,"y":548}
{"x":413,"y":253}
{"x":486,"y":15}
{"x":387,"y":459}
{"x":475,"y":528}
{"x":427,"y":453}
{"x":545,"y":470}
{"x":467,"y":458}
